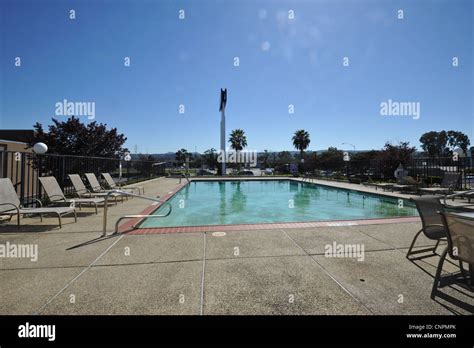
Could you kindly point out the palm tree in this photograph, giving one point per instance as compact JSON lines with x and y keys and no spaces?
{"x":238,"y":141}
{"x":301,"y":141}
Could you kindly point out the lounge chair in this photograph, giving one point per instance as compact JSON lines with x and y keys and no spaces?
{"x":82,"y":191}
{"x":407,"y":183}
{"x":384,"y":186}
{"x":432,"y":224}
{"x":369,"y":182}
{"x":96,"y":188}
{"x":450,"y":182}
{"x":111,"y":183}
{"x":460,"y":228}
{"x":10,"y":205}
{"x":463,"y":194}
{"x":56,"y":195}
{"x":79,"y":187}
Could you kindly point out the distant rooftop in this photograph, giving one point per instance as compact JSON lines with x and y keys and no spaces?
{"x":19,"y":135}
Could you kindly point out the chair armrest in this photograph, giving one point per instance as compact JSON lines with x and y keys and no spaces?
{"x":62,"y":200}
{"x":98,"y":188}
{"x":79,"y":192}
{"x":13,"y":205}
{"x":39,"y":202}
{"x":62,"y":197}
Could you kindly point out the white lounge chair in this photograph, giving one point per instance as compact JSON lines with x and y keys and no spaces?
{"x":10,"y":205}
{"x":130,"y":188}
{"x":56,"y":195}
{"x":96,"y":188}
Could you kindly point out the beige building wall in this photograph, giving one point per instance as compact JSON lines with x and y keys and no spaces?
{"x":10,"y":168}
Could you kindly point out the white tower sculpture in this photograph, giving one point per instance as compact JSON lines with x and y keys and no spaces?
{"x":222,"y":110}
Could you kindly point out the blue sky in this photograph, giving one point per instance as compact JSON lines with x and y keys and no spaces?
{"x":283,"y":61}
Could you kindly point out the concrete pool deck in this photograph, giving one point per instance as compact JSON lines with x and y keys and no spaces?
{"x":269,"y":271}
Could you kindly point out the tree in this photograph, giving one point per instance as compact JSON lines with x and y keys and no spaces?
{"x":264,"y":158}
{"x":281,"y":161}
{"x":311,"y":161}
{"x":210,"y":158}
{"x":301,"y":141}
{"x":365,"y":155}
{"x":458,"y":139}
{"x":332,"y":159}
{"x":181,"y":156}
{"x":238,"y":141}
{"x":438,"y":144}
{"x":284,"y":158}
{"x":392,"y":156}
{"x":72,"y":137}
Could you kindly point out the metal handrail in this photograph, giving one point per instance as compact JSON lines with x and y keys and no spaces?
{"x":184,"y":175}
{"x":104,"y":230}
{"x":453,"y":195}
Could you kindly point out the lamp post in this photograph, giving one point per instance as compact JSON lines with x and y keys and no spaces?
{"x":353,"y":146}
{"x":223,"y":103}
{"x":40,"y":149}
{"x":347,"y":158}
{"x":126,"y":158}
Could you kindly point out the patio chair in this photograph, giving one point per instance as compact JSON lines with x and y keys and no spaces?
{"x":111,"y":183}
{"x":460,"y":235}
{"x":369,"y":182}
{"x":463,"y":194}
{"x":56,"y":195}
{"x":82,"y":191}
{"x":407,"y":183}
{"x":10,"y":205}
{"x":384,"y":186}
{"x":96,"y":188}
{"x":432,"y":224}
{"x":450,"y":182}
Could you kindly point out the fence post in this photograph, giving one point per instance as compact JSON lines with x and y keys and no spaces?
{"x":63,"y":172}
{"x":22,"y":177}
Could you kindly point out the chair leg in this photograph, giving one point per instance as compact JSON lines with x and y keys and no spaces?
{"x":413,"y":243}
{"x":60,"y":222}
{"x":438,"y":273}
{"x":437,"y":243}
{"x":18,"y":221}
{"x":468,"y":275}
{"x":75,"y":216}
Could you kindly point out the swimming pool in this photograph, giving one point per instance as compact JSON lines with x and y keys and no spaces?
{"x":202,"y":203}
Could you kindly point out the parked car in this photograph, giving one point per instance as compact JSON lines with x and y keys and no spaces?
{"x":246,"y":172}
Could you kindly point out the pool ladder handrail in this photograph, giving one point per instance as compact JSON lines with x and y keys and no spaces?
{"x":109,"y":193}
{"x":185,"y":176}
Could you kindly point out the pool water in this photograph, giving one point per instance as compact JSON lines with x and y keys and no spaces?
{"x":267,"y":201}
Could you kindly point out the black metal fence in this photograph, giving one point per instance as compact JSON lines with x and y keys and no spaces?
{"x":24,"y":169}
{"x":426,"y":169}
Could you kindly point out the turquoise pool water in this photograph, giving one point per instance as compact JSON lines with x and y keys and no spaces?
{"x":249,"y":202}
